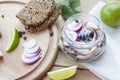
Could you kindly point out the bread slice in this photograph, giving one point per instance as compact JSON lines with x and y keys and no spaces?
{"x":44,"y":25}
{"x":36,"y":12}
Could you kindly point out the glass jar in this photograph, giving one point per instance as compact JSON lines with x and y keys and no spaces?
{"x":82,"y":38}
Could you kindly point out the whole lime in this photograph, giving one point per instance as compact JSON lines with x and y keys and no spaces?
{"x":110,"y":13}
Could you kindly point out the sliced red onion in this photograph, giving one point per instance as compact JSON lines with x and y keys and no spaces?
{"x":65,"y":43}
{"x":32,"y":43}
{"x":91,"y":25}
{"x":77,"y":39}
{"x":75,"y":26}
{"x":32,"y":50}
{"x":72,"y":35}
{"x":79,"y":52}
{"x":1,"y":54}
{"x":89,"y":54}
{"x":30,"y":60}
{"x":84,"y":22}
{"x":80,"y":26}
{"x":65,"y":46}
{"x":31,"y":55}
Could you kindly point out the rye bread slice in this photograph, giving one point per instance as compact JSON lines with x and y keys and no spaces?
{"x":44,"y":25}
{"x":36,"y":12}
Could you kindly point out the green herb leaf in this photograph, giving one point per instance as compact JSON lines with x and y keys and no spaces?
{"x":62,"y":2}
{"x":68,"y":7}
{"x":66,"y":12}
{"x":75,"y":5}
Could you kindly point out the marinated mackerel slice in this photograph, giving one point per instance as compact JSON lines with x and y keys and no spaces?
{"x":44,"y":25}
{"x":36,"y":12}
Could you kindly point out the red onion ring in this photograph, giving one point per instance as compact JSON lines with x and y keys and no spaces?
{"x":30,"y":60}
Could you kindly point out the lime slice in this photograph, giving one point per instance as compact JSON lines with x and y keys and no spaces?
{"x":62,"y":74}
{"x":14,"y":41}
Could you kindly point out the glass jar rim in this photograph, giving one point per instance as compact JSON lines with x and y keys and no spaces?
{"x":79,"y":45}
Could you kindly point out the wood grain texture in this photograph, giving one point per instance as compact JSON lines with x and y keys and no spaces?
{"x":11,"y":66}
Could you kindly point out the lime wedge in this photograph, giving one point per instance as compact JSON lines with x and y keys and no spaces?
{"x":62,"y":74}
{"x":14,"y":41}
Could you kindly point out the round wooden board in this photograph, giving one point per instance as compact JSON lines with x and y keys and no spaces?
{"x":11,"y":65}
{"x":48,"y":61}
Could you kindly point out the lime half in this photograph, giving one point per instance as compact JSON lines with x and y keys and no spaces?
{"x":62,"y":74}
{"x":14,"y":41}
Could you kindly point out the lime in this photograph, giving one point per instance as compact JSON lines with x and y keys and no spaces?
{"x":110,"y":13}
{"x":62,"y":74}
{"x":14,"y":41}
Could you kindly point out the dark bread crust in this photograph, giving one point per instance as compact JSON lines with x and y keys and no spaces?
{"x":44,"y":25}
{"x":36,"y":12}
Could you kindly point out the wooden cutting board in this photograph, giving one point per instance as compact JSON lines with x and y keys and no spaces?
{"x":11,"y":65}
